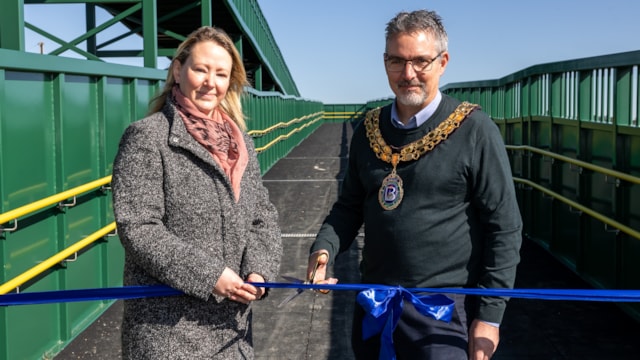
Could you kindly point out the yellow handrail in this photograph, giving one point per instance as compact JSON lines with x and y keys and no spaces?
{"x":580,"y":207}
{"x":573,"y":204}
{"x":54,"y":199}
{"x":342,"y":114}
{"x":258,"y":133}
{"x":55,"y":259}
{"x":583,"y":164}
{"x":284,"y":137}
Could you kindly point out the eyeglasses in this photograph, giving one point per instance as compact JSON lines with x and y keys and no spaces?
{"x":419,"y":64}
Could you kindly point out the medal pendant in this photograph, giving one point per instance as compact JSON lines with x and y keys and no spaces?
{"x":391,"y":191}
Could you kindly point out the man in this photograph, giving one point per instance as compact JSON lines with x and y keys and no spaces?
{"x":432,"y":184}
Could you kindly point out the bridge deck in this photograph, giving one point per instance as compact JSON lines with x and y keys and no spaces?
{"x":303,"y":186}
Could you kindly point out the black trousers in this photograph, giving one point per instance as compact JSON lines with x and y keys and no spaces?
{"x":418,"y":336}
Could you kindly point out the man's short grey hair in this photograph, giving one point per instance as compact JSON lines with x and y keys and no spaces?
{"x":418,"y":21}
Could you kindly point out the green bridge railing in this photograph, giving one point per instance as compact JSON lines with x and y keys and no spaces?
{"x":60,"y":124}
{"x":571,"y":129}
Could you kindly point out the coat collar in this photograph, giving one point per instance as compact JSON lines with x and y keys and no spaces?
{"x":179,"y":137}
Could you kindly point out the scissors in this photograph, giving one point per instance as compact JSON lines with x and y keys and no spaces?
{"x":297,"y":292}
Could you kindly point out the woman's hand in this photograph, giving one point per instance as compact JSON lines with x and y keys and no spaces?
{"x":231,"y":286}
{"x":258,"y":292}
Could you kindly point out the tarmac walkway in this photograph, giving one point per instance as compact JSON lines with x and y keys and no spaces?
{"x":303,"y":186}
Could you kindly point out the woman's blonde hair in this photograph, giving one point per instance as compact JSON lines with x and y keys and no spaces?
{"x":231,"y":103}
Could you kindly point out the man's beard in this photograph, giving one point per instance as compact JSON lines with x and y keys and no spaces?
{"x":412,"y":98}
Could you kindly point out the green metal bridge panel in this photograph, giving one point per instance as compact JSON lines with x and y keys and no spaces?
{"x":117,"y":93}
{"x":27,"y":143}
{"x":144,"y":91}
{"x":541,"y":224}
{"x":542,"y":128}
{"x":630,"y":247}
{"x":20,"y":331}
{"x":542,"y":217}
{"x":567,"y":183}
{"x":599,"y":243}
{"x":514,"y":133}
{"x":79,"y":132}
{"x":79,"y":164}
{"x":599,"y":262}
{"x":567,"y":227}
{"x":634,"y":189}
{"x":629,"y":272}
{"x":28,"y":175}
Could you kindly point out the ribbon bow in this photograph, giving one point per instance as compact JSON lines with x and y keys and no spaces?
{"x":383,"y":308}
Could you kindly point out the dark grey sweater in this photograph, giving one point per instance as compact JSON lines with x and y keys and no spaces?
{"x":458,"y":225}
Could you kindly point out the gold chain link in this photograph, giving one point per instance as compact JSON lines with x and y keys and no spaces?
{"x":414,"y":150}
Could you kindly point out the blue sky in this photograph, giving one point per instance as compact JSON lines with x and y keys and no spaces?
{"x":333,"y":48}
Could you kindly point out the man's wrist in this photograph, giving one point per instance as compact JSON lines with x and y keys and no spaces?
{"x":491,"y":323}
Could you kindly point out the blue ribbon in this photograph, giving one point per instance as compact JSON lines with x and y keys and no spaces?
{"x":382,"y":304}
{"x":133,"y":292}
{"x":383,"y":308}
{"x":48,"y":297}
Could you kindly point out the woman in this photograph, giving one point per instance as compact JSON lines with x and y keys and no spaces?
{"x":192,"y":212}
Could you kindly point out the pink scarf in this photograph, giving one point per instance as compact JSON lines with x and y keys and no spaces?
{"x":218,"y":134}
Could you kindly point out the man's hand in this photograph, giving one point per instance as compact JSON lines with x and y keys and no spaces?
{"x":483,"y":340}
{"x":318,"y":263}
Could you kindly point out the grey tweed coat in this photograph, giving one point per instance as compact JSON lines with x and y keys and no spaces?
{"x":180,"y":226}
